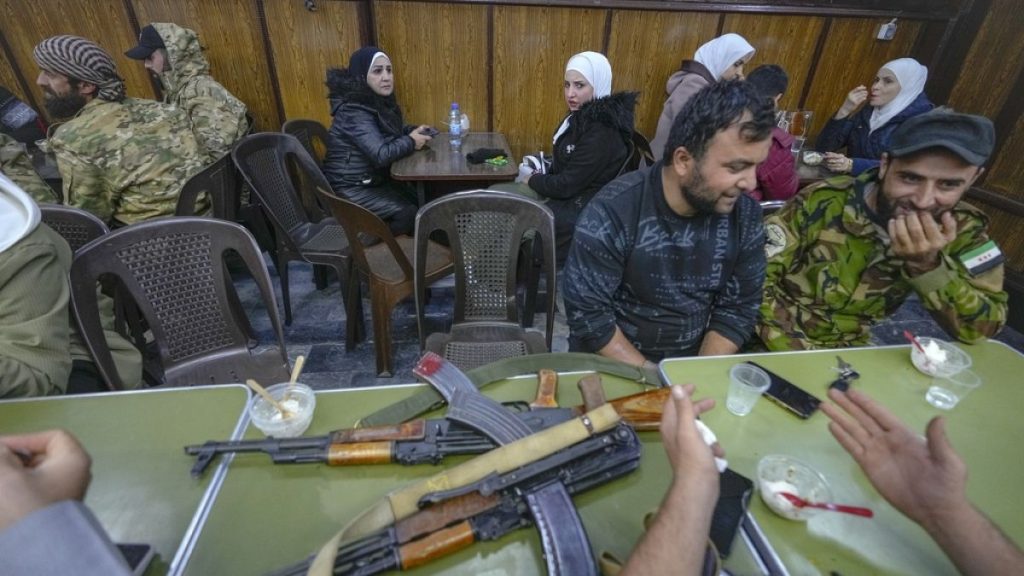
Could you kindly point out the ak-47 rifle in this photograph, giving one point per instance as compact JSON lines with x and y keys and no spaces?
{"x":431,"y":440}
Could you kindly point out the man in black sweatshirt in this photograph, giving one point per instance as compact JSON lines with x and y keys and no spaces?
{"x":670,"y":261}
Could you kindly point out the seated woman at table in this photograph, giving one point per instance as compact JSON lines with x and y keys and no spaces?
{"x":896,"y":95}
{"x":367,"y":135}
{"x":591,"y":145}
{"x":722,"y":58}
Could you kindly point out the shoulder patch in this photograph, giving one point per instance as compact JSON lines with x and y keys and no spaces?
{"x":982,"y":258}
{"x":775,"y":240}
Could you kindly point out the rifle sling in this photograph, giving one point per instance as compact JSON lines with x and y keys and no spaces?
{"x":429,"y":399}
{"x":404,"y":502}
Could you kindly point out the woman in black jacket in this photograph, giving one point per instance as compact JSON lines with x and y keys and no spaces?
{"x":367,"y":135}
{"x":591,"y":145}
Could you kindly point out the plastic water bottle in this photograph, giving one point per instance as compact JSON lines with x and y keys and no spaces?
{"x":455,"y":126}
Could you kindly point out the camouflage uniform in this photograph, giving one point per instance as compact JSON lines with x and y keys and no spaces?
{"x":217,"y":117}
{"x":125,"y":161}
{"x":831,"y":272}
{"x":16,"y":164}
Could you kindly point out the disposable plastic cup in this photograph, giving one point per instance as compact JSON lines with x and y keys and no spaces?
{"x":947,"y":391}
{"x":746,"y":384}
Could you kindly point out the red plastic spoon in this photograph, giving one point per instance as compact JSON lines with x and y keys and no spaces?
{"x":913,"y":340}
{"x":801,"y":503}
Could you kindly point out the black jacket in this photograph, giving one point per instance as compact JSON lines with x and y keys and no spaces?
{"x":587,"y":156}
{"x":366,"y":136}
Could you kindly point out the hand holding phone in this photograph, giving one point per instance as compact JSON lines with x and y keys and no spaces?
{"x":789,"y":395}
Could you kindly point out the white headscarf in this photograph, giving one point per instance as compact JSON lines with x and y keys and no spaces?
{"x":911,"y":76}
{"x":19,"y":214}
{"x":722,"y":52}
{"x":598,"y":72}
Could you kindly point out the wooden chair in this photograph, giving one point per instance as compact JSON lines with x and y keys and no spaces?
{"x":173,"y":269}
{"x":385,"y":260}
{"x":486,"y":229}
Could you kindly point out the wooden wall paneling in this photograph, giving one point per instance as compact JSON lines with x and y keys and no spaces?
{"x":9,"y":78}
{"x":24,"y":23}
{"x":788,"y":41}
{"x":852,"y":56}
{"x":993,"y":62}
{"x":305,"y":44}
{"x":229,"y":30}
{"x":1004,"y":228}
{"x":1006,"y":171}
{"x":439,"y":53}
{"x":647,"y":47}
{"x":531,"y":47}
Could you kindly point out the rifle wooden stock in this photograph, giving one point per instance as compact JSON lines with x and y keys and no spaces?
{"x":433,"y":518}
{"x":412,"y":430}
{"x":440,"y":543}
{"x":357,"y":453}
{"x":641,"y":411}
{"x":592,"y":391}
{"x":547,"y":387}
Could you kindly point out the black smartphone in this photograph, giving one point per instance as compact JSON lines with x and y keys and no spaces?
{"x":430,"y":131}
{"x":733,"y":498}
{"x":788,"y":395}
{"x":138,"y":557}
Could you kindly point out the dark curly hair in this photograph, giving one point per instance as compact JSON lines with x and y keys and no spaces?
{"x":716,"y":108}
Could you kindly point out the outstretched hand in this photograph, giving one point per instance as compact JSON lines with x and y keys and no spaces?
{"x":924,"y":479}
{"x":693,"y":463}
{"x":37,"y":470}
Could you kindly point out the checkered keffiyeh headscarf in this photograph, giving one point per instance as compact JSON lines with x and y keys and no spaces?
{"x":83,"y":60}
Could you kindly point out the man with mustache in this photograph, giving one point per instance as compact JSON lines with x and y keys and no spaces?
{"x":122,"y":159}
{"x":848,"y":252}
{"x":669,"y":261}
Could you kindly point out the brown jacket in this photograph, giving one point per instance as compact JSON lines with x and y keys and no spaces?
{"x":681,"y":86}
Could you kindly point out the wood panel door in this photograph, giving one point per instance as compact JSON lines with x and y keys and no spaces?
{"x":788,"y":41}
{"x":440,"y":55}
{"x":531,"y":47}
{"x":305,"y":44}
{"x":993,"y":63}
{"x":852,"y":57}
{"x":230,"y":32}
{"x":25,"y":23}
{"x":647,"y":47}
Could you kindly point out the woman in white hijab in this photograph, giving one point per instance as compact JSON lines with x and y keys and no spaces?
{"x":896,"y":94}
{"x":720,"y":59}
{"x":591,"y":145}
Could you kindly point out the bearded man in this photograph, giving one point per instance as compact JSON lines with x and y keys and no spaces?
{"x":122,"y":159}
{"x":670,"y":261}
{"x":847,"y":252}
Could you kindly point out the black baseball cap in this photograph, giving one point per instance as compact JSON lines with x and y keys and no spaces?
{"x":968,"y":136}
{"x":149,"y":41}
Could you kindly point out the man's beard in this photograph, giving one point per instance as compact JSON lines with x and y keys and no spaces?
{"x":63,"y":107}
{"x":698,"y":195}
{"x":886,"y":210}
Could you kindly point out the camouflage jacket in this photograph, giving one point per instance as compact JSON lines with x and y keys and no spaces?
{"x":17,"y":165}
{"x":831,"y":272}
{"x":125,"y":161}
{"x":216,"y":116}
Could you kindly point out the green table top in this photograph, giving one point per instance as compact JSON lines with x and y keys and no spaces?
{"x":141,"y":490}
{"x":979,"y":426}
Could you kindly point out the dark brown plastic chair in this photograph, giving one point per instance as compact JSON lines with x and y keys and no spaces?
{"x":173,"y":269}
{"x":77,"y":227}
{"x":219,"y":181}
{"x":266,"y":161}
{"x":385,"y":260}
{"x":485,"y":229}
{"x":311,"y":133}
{"x":642,"y":152}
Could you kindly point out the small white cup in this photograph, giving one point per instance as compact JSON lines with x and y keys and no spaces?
{"x":946,"y":391}
{"x":746,"y":384}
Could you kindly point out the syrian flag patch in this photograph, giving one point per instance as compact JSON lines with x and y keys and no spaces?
{"x":982,"y":258}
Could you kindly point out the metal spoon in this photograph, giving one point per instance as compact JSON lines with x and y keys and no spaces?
{"x":801,"y":503}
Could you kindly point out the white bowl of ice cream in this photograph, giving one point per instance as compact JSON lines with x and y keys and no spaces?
{"x":939,"y":358}
{"x":299,"y":402}
{"x":813,"y":158}
{"x":777,"y":473}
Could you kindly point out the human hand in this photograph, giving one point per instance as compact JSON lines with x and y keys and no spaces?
{"x":924,"y":479}
{"x":525,"y":171}
{"x":57,"y":468}
{"x":420,"y":136}
{"x":917,"y":238}
{"x":693,"y":463}
{"x":838,"y":163}
{"x":854,"y":99}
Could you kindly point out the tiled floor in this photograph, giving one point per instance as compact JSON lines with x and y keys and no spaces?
{"x":319,"y":326}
